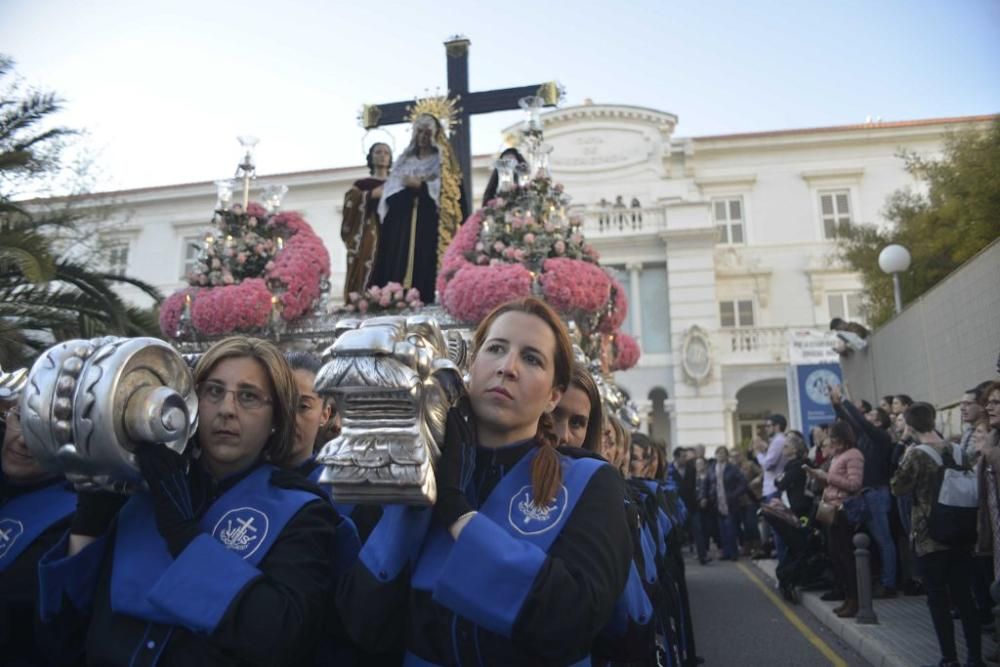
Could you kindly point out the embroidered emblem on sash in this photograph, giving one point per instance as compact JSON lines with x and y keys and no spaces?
{"x":10,"y":530}
{"x":242,"y":530}
{"x":528,"y":518}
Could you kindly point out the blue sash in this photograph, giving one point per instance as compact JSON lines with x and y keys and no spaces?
{"x":510,"y":506}
{"x":29,"y":515}
{"x":247,"y":520}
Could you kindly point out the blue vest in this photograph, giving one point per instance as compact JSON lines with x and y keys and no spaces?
{"x":29,"y":515}
{"x":247,"y":520}
{"x":510,"y":506}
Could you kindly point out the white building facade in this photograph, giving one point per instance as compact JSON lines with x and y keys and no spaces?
{"x":726,"y":243}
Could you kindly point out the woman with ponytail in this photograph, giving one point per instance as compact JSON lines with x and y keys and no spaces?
{"x":527,"y":550}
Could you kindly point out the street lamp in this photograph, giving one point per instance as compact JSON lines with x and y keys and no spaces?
{"x":894,"y":259}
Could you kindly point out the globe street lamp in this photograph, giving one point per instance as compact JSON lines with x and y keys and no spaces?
{"x":894,"y":259}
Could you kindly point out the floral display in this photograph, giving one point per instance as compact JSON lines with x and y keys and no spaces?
{"x":625,"y":351}
{"x":475,"y":290}
{"x":575,"y":287}
{"x":392,"y":297}
{"x":527,"y":241}
{"x":254,"y":267}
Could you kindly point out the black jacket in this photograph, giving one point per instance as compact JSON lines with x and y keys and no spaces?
{"x":568,"y":603}
{"x":276,"y":619}
{"x":19,"y":588}
{"x":793,"y":482}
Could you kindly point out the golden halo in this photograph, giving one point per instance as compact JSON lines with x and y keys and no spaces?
{"x":442,"y":107}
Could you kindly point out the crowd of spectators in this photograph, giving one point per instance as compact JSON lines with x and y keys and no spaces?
{"x":876,"y":469}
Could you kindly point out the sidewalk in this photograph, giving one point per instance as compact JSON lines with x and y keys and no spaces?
{"x":903,"y":637}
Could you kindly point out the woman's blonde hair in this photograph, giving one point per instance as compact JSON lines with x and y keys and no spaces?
{"x":284,"y":395}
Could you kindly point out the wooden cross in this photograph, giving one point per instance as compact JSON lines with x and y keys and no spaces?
{"x":486,"y":101}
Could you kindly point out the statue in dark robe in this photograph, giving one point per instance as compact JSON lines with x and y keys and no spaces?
{"x":360,"y":227}
{"x":420,"y":210}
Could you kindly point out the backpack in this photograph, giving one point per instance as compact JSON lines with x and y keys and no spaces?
{"x":952,"y":518}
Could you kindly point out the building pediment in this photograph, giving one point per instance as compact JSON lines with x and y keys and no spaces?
{"x":606,"y":138}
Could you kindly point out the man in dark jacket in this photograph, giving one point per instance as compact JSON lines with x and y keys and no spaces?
{"x":876,"y":444}
{"x":724,"y":486}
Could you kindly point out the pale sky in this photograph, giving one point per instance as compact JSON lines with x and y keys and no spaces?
{"x":163,"y":88}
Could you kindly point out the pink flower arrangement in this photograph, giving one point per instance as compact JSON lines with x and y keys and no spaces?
{"x":237,"y":276}
{"x":245,"y":307}
{"x":571,"y":285}
{"x":300,"y":266}
{"x":476,"y":290}
{"x":389,"y":297}
{"x":626,"y":352}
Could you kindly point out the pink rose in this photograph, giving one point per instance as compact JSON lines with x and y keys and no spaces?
{"x":559,"y":247}
{"x":529,"y":238}
{"x":413,"y":294}
{"x":385,"y":299}
{"x":269,"y":266}
{"x":499,"y":246}
{"x":480,"y":247}
{"x":481,"y":259}
{"x":353,"y":296}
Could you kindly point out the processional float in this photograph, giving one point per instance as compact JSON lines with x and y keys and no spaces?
{"x":86,"y":405}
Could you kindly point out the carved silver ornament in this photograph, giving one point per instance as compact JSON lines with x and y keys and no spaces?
{"x":87,"y":404}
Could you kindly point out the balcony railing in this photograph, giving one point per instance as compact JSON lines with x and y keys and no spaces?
{"x":753,"y":344}
{"x":611,"y":221}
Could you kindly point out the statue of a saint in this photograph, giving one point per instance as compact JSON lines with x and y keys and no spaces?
{"x":360,"y":227}
{"x":420,"y":210}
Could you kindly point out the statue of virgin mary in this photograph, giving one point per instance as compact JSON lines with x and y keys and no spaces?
{"x":420,"y":210}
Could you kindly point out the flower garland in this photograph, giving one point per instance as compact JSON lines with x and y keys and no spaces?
{"x":254,"y":265}
{"x":476,"y":290}
{"x":626,"y":352}
{"x":574,"y":287}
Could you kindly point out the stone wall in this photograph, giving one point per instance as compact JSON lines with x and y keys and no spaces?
{"x":941,"y":344}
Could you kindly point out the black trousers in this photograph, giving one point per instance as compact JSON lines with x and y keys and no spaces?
{"x":841,"y":549}
{"x":950,"y":573}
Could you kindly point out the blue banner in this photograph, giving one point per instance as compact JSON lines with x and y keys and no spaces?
{"x":812,"y":383}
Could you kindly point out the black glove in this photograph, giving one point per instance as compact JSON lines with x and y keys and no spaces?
{"x":455,"y":466}
{"x":165,"y":471}
{"x":95,"y":510}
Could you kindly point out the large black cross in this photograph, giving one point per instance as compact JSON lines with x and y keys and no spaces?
{"x":469,"y":104}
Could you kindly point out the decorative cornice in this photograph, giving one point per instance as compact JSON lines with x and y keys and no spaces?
{"x":821,"y":176}
{"x":743,"y":181}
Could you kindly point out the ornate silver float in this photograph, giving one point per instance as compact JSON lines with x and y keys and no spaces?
{"x":393,"y":380}
{"x":87,"y":404}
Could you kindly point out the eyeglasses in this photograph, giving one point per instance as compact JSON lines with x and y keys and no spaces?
{"x":993,"y":402}
{"x":248,"y":399}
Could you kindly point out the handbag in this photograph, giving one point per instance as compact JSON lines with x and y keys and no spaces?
{"x":856,"y":509}
{"x":826,"y":513}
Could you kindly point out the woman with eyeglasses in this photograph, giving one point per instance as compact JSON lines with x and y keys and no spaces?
{"x":526,"y":550}
{"x":226,"y":559}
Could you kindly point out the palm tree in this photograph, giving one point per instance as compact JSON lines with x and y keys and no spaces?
{"x":46,"y":298}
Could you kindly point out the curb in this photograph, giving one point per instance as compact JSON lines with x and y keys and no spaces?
{"x":872,"y":650}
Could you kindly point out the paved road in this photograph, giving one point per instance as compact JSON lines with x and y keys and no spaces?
{"x":738,"y":624}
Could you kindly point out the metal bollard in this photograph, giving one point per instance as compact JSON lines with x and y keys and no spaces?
{"x":866,"y":614}
{"x":995,"y":594}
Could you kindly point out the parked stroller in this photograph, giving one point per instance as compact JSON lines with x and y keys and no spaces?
{"x":806,"y":564}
